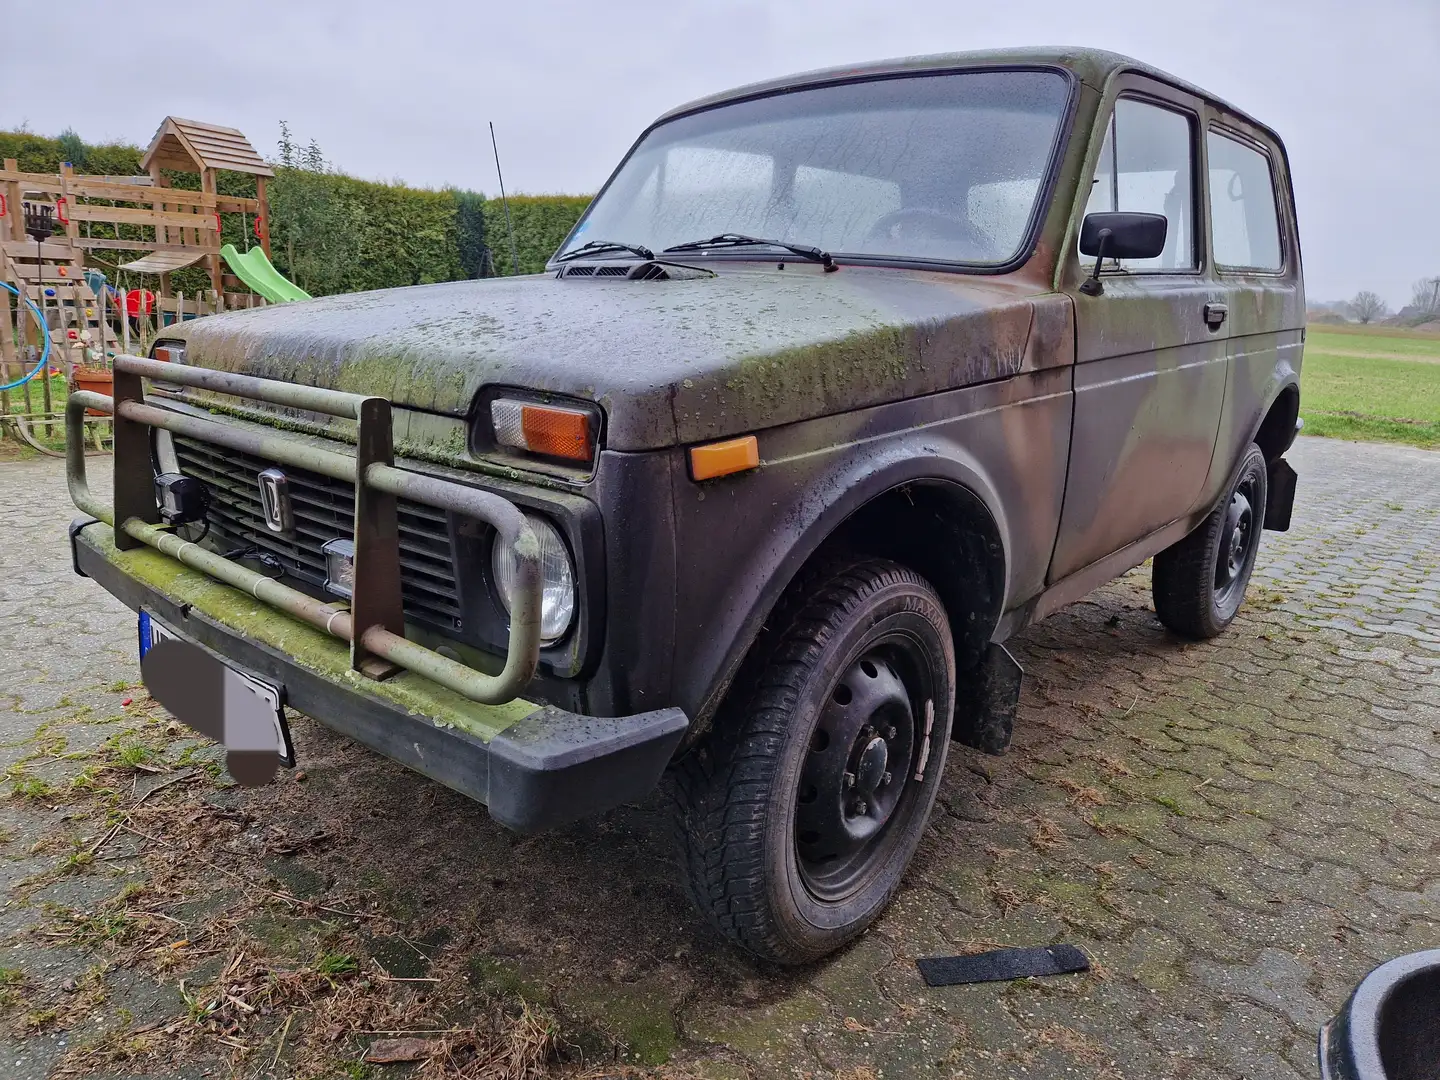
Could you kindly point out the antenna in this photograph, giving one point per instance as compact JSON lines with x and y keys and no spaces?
{"x":509,"y":225}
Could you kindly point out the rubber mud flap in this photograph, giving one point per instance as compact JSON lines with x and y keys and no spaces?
{"x":986,"y":699}
{"x":1280,"y":495}
{"x":553,"y":766}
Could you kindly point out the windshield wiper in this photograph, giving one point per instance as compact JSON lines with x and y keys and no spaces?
{"x":594,"y":247}
{"x":733,"y":240}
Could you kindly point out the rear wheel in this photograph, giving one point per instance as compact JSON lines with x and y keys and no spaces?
{"x":1200,"y":581}
{"x":800,"y":813}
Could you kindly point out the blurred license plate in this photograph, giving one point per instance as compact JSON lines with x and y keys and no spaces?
{"x":152,"y":630}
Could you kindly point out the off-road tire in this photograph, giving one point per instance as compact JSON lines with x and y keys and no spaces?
{"x":1195,"y":595}
{"x":740,"y":822}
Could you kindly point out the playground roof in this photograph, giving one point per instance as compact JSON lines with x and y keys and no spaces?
{"x":162,"y":262}
{"x":190,"y":146}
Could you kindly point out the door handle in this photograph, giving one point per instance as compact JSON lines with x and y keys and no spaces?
{"x":1215,"y":314}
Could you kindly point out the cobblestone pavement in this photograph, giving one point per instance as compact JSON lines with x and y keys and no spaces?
{"x":1235,"y":832}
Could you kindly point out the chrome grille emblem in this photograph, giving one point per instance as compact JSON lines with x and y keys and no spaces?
{"x":275,"y":501}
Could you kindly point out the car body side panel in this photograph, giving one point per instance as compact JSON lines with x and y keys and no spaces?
{"x":633,"y":492}
{"x":1266,"y":320}
{"x":1149,"y":388}
{"x":1150,"y":375}
{"x":742,"y":539}
{"x":1262,"y":364}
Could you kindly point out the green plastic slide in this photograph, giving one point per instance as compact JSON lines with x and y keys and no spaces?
{"x":256,"y":271}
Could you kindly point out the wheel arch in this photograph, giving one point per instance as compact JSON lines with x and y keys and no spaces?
{"x":907,"y":506}
{"x":1276,"y":430}
{"x":945,"y":533}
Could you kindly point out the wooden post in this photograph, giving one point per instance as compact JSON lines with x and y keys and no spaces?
{"x":23,"y":326}
{"x":124,"y":321}
{"x":264,"y":214}
{"x":162,"y":231}
{"x":16,"y":210}
{"x":44,"y":376}
{"x":72,"y":228}
{"x":7,"y":349}
{"x":208,"y":184}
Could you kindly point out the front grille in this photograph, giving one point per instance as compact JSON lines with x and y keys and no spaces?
{"x":324,"y":511}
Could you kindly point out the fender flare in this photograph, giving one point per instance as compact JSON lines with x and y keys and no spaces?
{"x":833,"y":499}
{"x":1289,"y":381}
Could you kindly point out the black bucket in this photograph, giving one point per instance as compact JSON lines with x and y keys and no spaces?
{"x":1390,"y":1027}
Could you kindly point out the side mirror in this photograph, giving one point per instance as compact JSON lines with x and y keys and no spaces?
{"x":1119,"y":236}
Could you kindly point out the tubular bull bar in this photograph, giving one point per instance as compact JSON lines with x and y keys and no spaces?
{"x":374,"y":624}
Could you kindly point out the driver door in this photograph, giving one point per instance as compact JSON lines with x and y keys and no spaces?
{"x":1151,"y":350}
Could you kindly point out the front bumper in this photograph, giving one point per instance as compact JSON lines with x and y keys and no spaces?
{"x":533,"y":766}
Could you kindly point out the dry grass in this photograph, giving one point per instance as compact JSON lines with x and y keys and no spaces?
{"x":264,"y":1010}
{"x":1077,"y":1044}
{"x":1046,"y":836}
{"x":1081,"y":794}
{"x":1006,"y":896}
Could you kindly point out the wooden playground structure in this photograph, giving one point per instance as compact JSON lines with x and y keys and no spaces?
{"x":93,"y":217}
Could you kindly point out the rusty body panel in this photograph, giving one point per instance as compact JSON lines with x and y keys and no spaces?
{"x":750,"y":348}
{"x":1071,"y":436}
{"x":997,"y":441}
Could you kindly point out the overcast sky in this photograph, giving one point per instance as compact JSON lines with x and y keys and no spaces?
{"x":405,"y":91}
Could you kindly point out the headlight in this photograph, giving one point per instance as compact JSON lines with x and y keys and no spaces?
{"x":557,"y":579}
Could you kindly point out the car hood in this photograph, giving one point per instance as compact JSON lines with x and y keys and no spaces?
{"x":670,"y":362}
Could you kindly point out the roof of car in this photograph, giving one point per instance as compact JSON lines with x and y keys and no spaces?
{"x":1091,"y":66}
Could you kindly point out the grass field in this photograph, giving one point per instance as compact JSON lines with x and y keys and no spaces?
{"x":1372,"y":383}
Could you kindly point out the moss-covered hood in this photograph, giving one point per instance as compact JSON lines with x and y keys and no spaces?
{"x":670,"y":361}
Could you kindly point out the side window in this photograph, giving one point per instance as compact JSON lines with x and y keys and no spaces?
{"x":1146,"y":166}
{"x":1244,"y":221}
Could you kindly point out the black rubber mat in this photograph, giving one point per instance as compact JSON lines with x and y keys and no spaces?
{"x":1002,"y":964}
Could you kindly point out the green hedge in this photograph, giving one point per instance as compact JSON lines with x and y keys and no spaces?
{"x":38,"y":154}
{"x":541,"y":223}
{"x":332,"y":233}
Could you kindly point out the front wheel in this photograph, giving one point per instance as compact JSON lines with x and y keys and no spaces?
{"x":801,"y":811}
{"x":1199,"y":582}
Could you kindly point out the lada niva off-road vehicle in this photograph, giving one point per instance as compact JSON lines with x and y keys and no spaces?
{"x":841,"y":380}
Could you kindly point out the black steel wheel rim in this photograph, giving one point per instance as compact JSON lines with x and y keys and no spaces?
{"x":857,"y":783}
{"x":1238,"y":539}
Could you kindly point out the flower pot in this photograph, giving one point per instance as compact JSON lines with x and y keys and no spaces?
{"x":99,"y":380}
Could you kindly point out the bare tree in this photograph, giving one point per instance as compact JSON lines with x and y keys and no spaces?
{"x":1367,"y":306}
{"x":1425,"y":296}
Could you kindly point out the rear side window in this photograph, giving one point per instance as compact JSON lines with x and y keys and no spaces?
{"x":1244,"y":220}
{"x":1146,"y":166}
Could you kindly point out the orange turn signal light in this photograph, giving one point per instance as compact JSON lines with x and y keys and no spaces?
{"x":724,"y":458}
{"x":543,"y":429}
{"x":563,"y":433}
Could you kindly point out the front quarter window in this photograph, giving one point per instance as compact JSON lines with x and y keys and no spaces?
{"x":943,"y":168}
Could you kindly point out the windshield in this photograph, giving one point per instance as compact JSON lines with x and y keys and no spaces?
{"x":938,"y":167}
